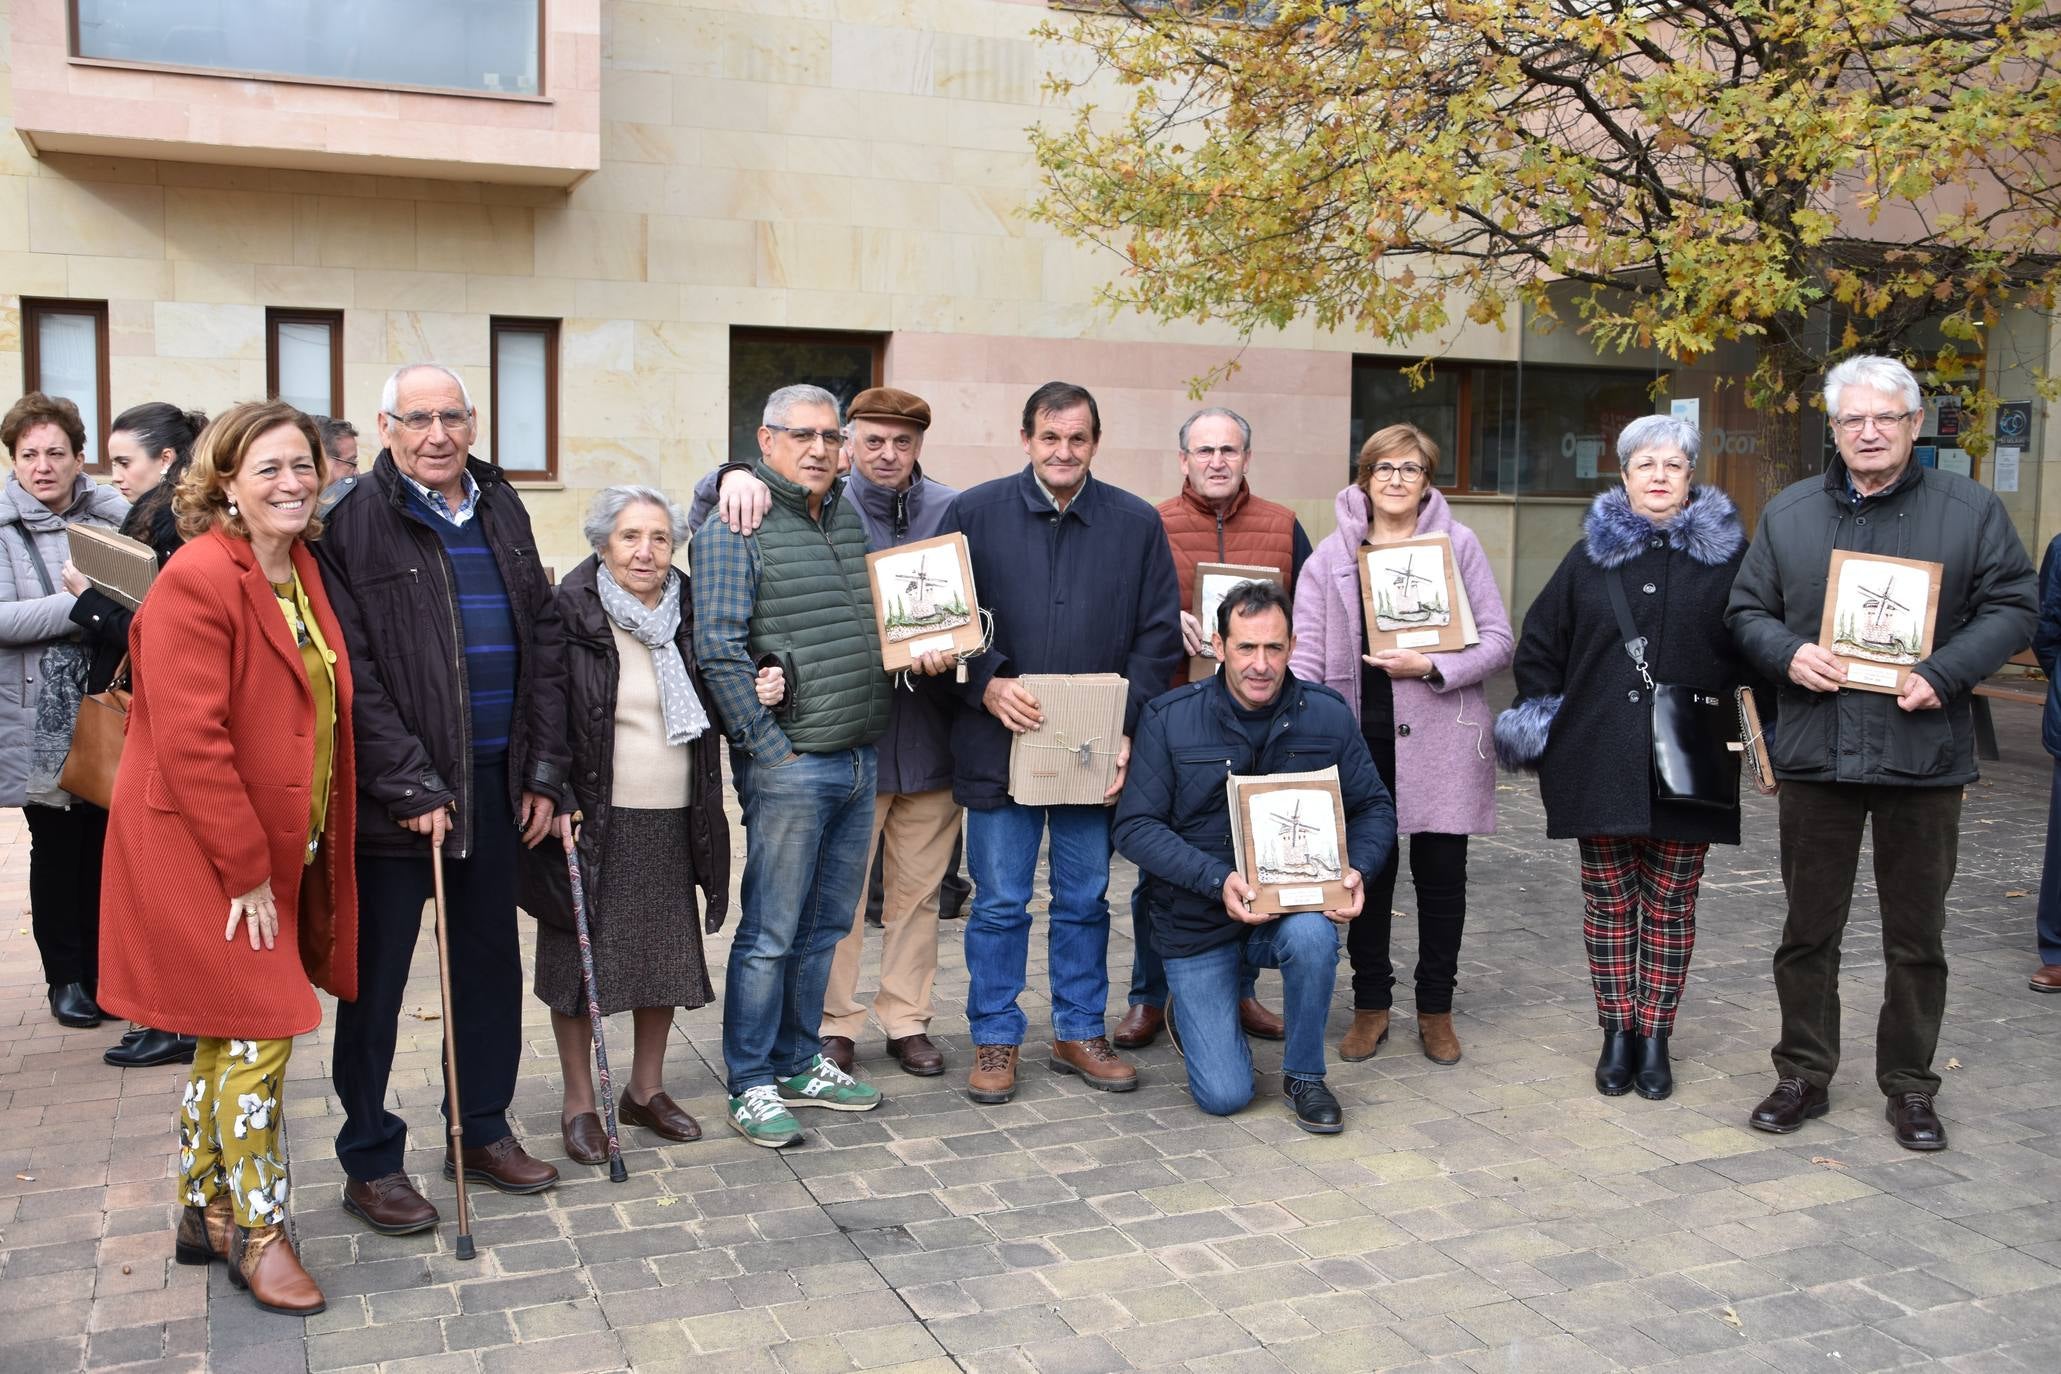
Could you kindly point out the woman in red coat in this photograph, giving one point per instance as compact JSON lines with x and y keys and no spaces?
{"x":236,"y":798}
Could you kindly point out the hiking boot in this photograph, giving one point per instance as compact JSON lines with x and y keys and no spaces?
{"x":823,"y":1084}
{"x":761,"y":1117}
{"x":1095,"y":1061}
{"x":993,"y":1078}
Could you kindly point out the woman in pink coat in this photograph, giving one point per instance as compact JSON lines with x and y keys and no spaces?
{"x":1426,"y":721}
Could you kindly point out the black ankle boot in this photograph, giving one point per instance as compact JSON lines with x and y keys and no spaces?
{"x":1614,"y":1065}
{"x":151,"y":1047}
{"x":1655,"y":1079}
{"x":73,"y":1006}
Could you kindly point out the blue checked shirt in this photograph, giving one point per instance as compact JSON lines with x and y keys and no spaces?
{"x":726,"y":584}
{"x":441,"y":508}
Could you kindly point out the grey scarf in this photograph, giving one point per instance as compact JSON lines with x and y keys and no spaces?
{"x":656,"y":627}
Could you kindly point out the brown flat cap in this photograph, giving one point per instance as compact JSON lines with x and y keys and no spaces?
{"x":890,"y":403}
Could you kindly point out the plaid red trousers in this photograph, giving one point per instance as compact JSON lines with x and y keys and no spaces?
{"x":1640,"y":927}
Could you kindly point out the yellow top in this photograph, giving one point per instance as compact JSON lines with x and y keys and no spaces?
{"x":318,"y":660}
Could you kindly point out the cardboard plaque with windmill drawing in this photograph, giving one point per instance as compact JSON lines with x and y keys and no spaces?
{"x":1288,"y":839}
{"x":1412,"y":596}
{"x":1213,"y":582}
{"x":1880,"y":615}
{"x":923,"y":600}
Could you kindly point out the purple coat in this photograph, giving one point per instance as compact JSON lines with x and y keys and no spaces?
{"x":1445,"y":768}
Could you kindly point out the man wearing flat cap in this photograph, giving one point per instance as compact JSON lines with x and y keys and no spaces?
{"x":915,"y":820}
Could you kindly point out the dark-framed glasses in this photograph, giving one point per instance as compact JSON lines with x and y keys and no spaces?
{"x":420,"y":420}
{"x":1399,"y":472}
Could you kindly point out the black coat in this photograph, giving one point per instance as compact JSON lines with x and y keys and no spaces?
{"x":2046,"y":645}
{"x":395,"y":595}
{"x":592,"y":673}
{"x":1582,"y":716}
{"x":1088,"y":591}
{"x":103,"y":621}
{"x":1174,"y":820}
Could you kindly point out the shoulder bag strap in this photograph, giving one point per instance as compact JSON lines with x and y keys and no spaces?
{"x":42,"y":573}
{"x":1634,"y":642}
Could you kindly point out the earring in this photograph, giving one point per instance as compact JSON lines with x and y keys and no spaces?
{"x":232,"y":508}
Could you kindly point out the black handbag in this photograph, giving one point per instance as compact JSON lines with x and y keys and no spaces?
{"x":1694,"y":731}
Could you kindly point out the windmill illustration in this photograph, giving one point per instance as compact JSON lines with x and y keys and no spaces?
{"x":1292,"y":835}
{"x":922,"y":589}
{"x":1878,"y":632}
{"x":1404,"y":583}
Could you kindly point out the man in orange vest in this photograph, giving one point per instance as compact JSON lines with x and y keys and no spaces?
{"x":1214,"y":519}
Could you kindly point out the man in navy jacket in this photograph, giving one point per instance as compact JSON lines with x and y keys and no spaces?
{"x":1174,"y":822}
{"x":1078,"y":577}
{"x":2046,"y":646}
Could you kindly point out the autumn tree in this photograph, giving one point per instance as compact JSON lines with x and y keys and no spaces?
{"x":1693,"y":171}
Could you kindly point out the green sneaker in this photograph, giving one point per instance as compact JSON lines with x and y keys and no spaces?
{"x":760,"y":1118}
{"x":823,"y":1084}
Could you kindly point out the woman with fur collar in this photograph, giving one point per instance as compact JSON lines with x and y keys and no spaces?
{"x":1583,"y":720}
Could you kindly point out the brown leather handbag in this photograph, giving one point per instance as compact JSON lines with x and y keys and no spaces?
{"x":97,"y":734}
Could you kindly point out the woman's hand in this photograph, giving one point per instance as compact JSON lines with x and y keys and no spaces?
{"x":74,"y":581}
{"x":258,"y":911}
{"x":771,"y":686}
{"x":1401,"y":663}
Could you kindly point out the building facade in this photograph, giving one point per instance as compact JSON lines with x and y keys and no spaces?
{"x":623,"y":223}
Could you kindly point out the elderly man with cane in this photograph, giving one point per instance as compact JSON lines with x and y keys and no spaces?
{"x":460,"y":716}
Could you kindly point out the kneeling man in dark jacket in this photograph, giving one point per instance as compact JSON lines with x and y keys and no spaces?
{"x":1174,"y":822}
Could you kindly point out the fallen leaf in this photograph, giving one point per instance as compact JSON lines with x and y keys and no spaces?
{"x":1828,"y":1161}
{"x":1953,"y":1063}
{"x":2017,"y":892}
{"x":1731,"y":1317}
{"x":667,"y":1201}
{"x":26,"y":1178}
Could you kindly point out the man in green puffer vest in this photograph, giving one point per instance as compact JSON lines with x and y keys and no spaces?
{"x":795,"y":594}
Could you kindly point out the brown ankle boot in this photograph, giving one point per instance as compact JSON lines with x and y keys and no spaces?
{"x":261,"y":1259}
{"x":1369,"y":1029}
{"x":994,"y":1073}
{"x":203,"y":1235}
{"x":1435,"y":1030}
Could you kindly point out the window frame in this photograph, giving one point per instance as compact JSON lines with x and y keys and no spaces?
{"x":548,"y":327}
{"x":542,"y":96}
{"x":33,"y":308}
{"x":334,"y":321}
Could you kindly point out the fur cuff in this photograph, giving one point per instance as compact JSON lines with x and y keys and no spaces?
{"x":1522,"y":730}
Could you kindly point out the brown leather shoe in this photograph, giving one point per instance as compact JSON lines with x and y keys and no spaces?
{"x":203,"y":1234}
{"x":1096,"y":1062}
{"x":506,"y":1165}
{"x":389,"y":1205}
{"x":1368,"y":1030}
{"x":917,"y":1055}
{"x":261,"y":1259}
{"x":585,"y":1141}
{"x":1140,"y":1027}
{"x":994,"y":1073}
{"x":1917,"y":1125}
{"x":1793,"y":1102}
{"x":2048,"y":979}
{"x":1259,"y":1023}
{"x":1435,"y":1031}
{"x":661,"y":1116}
{"x":840,"y":1050}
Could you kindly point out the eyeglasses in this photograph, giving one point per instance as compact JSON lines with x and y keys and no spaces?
{"x":806,"y":437}
{"x":1208,"y":453}
{"x":1646,"y":467}
{"x":1856,"y":424}
{"x":1403,"y":472}
{"x":874,"y":443}
{"x":420,"y":420}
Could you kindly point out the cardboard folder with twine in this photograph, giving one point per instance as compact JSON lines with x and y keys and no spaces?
{"x":1070,"y":759}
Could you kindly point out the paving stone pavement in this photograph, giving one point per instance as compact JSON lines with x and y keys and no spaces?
{"x":1495,"y":1216}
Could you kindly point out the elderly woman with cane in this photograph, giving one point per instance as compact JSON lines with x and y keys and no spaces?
{"x":1585,"y":718}
{"x":237,"y":795}
{"x":647,"y":780}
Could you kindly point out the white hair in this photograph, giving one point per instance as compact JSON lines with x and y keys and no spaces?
{"x":390,"y":394}
{"x":1877,"y":373}
{"x":781,"y":403}
{"x":1648,"y":430}
{"x":611,"y":502}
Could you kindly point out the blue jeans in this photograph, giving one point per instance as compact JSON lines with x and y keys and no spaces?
{"x":1148,"y":970}
{"x":2050,"y":881}
{"x":1304,"y":946}
{"x":1002,"y":858}
{"x":806,"y":825}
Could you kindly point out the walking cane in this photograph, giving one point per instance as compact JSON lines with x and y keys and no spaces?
{"x":436,"y":869}
{"x":618,"y":1172}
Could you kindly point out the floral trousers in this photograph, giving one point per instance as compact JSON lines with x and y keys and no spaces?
{"x":229,"y":1128}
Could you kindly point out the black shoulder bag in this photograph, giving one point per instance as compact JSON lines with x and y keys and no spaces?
{"x":1693,"y":731}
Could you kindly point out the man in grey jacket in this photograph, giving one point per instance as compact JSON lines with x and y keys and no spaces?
{"x":1846,"y":757}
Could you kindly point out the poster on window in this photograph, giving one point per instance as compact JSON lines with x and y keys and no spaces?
{"x":1880,"y":614}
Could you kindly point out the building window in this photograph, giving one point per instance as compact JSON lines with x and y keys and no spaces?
{"x":523,"y":406}
{"x":1516,"y":429}
{"x":491,"y":47}
{"x":64,"y":353}
{"x":304,"y":359}
{"x":764,"y":360}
